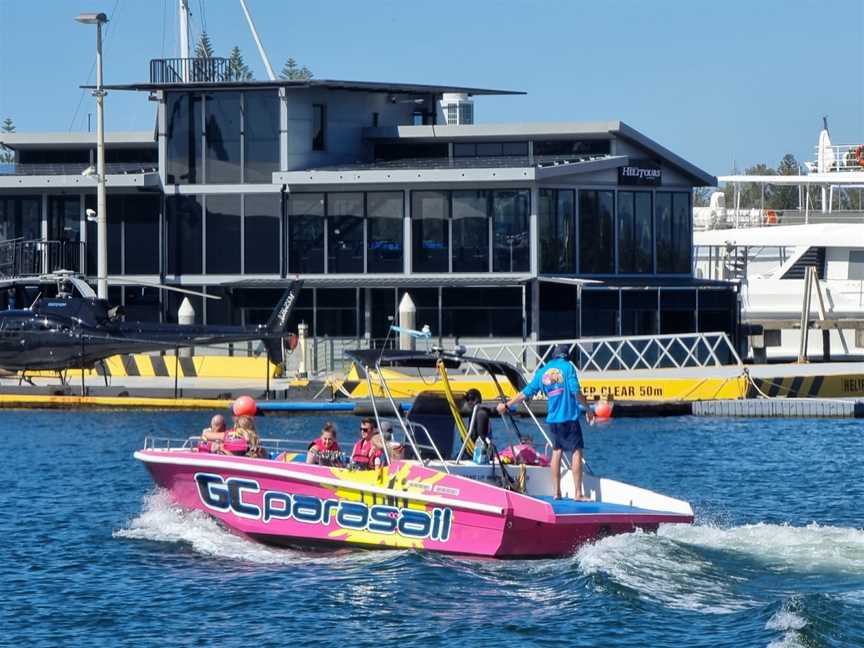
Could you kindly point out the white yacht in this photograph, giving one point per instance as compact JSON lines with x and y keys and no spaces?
{"x":769,"y":252}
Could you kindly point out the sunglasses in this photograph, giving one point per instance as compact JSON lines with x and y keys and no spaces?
{"x":365,"y":429}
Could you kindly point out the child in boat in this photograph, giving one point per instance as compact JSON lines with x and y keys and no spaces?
{"x":242,"y":439}
{"x":324,"y":451}
{"x":523,"y":453}
{"x":212,"y":437}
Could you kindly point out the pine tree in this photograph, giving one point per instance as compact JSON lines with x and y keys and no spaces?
{"x":292,"y":72}
{"x":204,"y":48}
{"x":7,"y":156}
{"x":237,"y":68}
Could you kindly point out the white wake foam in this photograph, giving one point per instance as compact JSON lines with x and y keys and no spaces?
{"x":679,"y":567}
{"x":787,"y":621}
{"x":162,"y":521}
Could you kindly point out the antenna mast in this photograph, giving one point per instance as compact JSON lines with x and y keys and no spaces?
{"x":184,"y":39}
{"x":254,"y":31}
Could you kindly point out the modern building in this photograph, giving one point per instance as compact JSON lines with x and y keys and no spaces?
{"x":366,"y":191}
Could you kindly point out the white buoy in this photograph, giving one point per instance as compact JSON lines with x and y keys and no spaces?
{"x":186,"y":315}
{"x":407,"y":320}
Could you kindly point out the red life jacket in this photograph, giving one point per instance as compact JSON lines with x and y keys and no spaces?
{"x":325,"y":456}
{"x":365,"y":454}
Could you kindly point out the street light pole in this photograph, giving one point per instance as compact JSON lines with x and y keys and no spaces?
{"x":99,"y":19}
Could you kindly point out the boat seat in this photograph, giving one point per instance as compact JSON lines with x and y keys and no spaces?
{"x":431,"y":410}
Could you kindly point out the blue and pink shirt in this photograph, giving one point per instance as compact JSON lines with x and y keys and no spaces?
{"x":557,"y":379}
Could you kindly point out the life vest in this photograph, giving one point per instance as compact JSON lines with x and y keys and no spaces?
{"x":325,"y":456}
{"x":365,"y":454}
{"x":235,"y":443}
{"x":523,"y":454}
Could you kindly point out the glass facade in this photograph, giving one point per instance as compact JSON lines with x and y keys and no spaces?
{"x":261,"y":134}
{"x":635,"y":238}
{"x":262,"y":233}
{"x":306,"y":235}
{"x":223,"y":218}
{"x":345,"y":236}
{"x":133,"y":234}
{"x":482,"y":312}
{"x":596,"y":232}
{"x":222,"y":137}
{"x":556,"y":221}
{"x":430,"y":216}
{"x":510,"y":231}
{"x":319,"y":127}
{"x":674,"y":236}
{"x":185,"y":229}
{"x":385,"y":232}
{"x":20,"y":217}
{"x":471,"y":231}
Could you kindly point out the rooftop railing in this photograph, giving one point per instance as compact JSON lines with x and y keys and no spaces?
{"x":706,"y":218}
{"x":191,"y":70}
{"x":112,"y":168}
{"x":842,"y":158}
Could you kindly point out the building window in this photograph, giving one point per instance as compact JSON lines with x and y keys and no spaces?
{"x":556,"y":217}
{"x":384,"y":215}
{"x":345,"y":238}
{"x":20,"y":217}
{"x":184,"y":138}
{"x":470,"y":231}
{"x":306,"y":226}
{"x":482,"y":312}
{"x":596,"y":232}
{"x":674,"y":237}
{"x":319,"y":127}
{"x":559,"y":311}
{"x":677,"y":311}
{"x":262,"y":233}
{"x":571,"y":148}
{"x":430,"y":215}
{"x":261,"y":134}
{"x":635,"y":243}
{"x":599,"y":312}
{"x":639,"y":312}
{"x":336,"y":312}
{"x":452,"y":113}
{"x":223,"y":233}
{"x":510,"y":231}
{"x":466,"y":113}
{"x":185,"y":234}
{"x":140,"y":234}
{"x":222,"y":138}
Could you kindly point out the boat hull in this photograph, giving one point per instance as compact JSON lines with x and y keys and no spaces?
{"x":402,"y":506}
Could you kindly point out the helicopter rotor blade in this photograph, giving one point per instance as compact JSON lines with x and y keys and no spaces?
{"x":150,"y":284}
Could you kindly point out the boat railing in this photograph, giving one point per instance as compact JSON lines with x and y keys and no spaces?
{"x":418,"y":427}
{"x":841,"y":158}
{"x":170,"y":443}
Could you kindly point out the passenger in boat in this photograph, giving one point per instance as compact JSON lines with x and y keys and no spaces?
{"x":480,"y":431}
{"x":523,"y":453}
{"x":242,"y":439}
{"x":367,"y":453}
{"x":395,"y":450}
{"x":324,"y":450}
{"x":212,"y":437}
{"x":559,"y":382}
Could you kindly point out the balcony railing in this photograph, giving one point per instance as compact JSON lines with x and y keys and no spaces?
{"x":112,"y":168}
{"x":191,"y":70}
{"x":21,"y":258}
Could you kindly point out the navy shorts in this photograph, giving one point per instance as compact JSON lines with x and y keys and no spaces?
{"x":566,"y":436}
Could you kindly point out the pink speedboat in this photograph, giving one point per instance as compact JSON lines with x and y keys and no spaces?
{"x":426,"y":501}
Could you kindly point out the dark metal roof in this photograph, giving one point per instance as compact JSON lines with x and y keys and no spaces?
{"x":329,"y":84}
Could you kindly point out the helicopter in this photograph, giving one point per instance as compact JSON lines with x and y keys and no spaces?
{"x":71,"y":331}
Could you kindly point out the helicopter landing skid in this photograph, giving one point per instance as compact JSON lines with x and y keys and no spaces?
{"x":25,"y":378}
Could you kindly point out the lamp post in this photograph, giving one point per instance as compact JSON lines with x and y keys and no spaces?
{"x":99,"y":19}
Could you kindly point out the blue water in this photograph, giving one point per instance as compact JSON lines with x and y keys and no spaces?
{"x":93,"y":556}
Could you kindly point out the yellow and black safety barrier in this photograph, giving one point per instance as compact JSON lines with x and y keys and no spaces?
{"x":819,"y":386}
{"x":169,"y":366}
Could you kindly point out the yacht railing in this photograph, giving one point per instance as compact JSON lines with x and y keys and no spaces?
{"x":705,"y":218}
{"x":76,"y":169}
{"x":843,"y":158}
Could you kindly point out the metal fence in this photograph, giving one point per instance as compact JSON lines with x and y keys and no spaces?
{"x":76,"y":169}
{"x":619,"y":353}
{"x":19,"y":257}
{"x":190,"y":70}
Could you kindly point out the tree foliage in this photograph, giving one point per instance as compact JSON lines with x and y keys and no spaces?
{"x":204,"y":48}
{"x":237,"y":68}
{"x":293,"y":72}
{"x":7,"y":156}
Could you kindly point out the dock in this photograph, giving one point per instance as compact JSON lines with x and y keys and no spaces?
{"x":782,"y":408}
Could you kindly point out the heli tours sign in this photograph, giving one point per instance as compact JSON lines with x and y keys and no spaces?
{"x":640,"y":172}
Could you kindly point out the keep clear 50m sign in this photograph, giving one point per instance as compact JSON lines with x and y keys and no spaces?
{"x":640,"y":172}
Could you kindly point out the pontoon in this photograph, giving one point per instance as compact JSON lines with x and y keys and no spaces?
{"x":433,"y":499}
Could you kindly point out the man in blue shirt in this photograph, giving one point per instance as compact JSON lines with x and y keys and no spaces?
{"x":558,"y":381}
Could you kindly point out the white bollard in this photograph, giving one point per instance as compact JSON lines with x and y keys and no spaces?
{"x":186,"y":315}
{"x":302,"y":334}
{"x":407,"y":320}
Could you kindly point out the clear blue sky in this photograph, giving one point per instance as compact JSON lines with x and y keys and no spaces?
{"x":716,"y":82}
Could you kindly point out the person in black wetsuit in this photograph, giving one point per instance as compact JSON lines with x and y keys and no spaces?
{"x":481,"y":428}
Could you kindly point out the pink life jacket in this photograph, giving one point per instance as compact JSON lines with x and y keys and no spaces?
{"x":523,"y":454}
{"x":235,"y":443}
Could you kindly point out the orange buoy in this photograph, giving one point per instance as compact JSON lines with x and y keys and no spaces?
{"x":603,"y":410}
{"x":245,"y":406}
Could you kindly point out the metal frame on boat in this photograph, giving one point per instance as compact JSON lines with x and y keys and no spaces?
{"x":426,"y":500}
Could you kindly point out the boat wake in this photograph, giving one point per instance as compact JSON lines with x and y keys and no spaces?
{"x":162,"y":521}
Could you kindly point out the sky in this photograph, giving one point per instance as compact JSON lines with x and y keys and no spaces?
{"x":723,"y":84}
